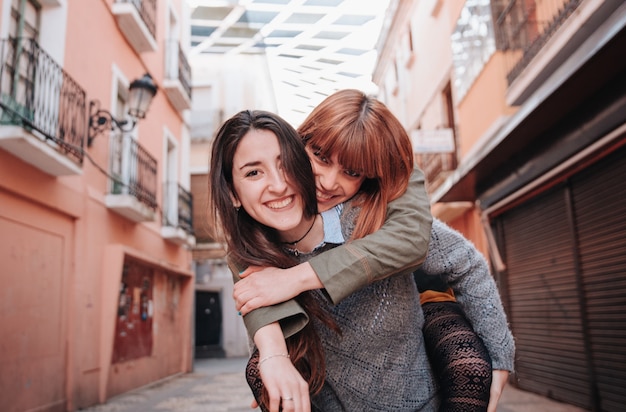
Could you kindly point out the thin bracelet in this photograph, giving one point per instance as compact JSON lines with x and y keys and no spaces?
{"x":284,"y":355}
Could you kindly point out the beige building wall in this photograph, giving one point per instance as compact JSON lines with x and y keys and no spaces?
{"x":416,"y":77}
{"x":223,"y":86}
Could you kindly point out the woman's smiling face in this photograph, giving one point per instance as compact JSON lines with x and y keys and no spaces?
{"x":334,"y":184}
{"x":261,"y":186}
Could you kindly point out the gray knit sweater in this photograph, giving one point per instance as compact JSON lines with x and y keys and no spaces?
{"x":465,"y":269}
{"x":379,"y":362}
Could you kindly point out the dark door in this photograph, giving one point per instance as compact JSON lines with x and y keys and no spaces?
{"x":208,"y":324}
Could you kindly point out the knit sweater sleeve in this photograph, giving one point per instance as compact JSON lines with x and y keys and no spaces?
{"x":455,"y":258}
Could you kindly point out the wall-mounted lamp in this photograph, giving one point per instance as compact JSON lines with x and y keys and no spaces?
{"x":140,"y":95}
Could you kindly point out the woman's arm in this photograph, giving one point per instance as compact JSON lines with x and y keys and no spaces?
{"x":465,"y":269}
{"x":280,"y":377}
{"x":399,"y":246}
{"x":269,"y":327}
{"x":289,"y":314}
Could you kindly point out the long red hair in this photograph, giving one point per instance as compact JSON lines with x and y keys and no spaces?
{"x":367,"y":138}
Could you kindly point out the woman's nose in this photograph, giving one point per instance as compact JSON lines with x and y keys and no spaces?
{"x":278,"y":182}
{"x":328,"y":179}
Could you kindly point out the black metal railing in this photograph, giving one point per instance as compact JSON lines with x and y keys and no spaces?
{"x":177,"y":66}
{"x":147,"y":12}
{"x":38,"y":94}
{"x":178,"y":207}
{"x":134,"y":170}
{"x":523,"y":27}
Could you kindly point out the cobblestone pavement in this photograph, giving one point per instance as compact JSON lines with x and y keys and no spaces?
{"x":215,"y":385}
{"x":218,"y":385}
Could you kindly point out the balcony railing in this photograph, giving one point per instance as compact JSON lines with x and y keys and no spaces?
{"x":147,"y":12}
{"x":36,"y":93}
{"x":136,"y":20}
{"x":177,"y":82}
{"x":177,"y":66}
{"x":134,"y":170}
{"x":524,"y":26}
{"x":178,"y":207}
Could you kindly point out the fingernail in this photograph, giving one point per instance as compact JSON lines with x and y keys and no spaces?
{"x":239,"y":313}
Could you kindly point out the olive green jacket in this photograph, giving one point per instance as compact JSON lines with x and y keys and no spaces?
{"x":399,"y":246}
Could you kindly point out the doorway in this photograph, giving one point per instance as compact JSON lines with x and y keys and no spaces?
{"x":208,"y":342}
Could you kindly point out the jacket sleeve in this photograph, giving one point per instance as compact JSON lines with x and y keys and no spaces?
{"x":465,"y":269}
{"x":399,"y":246}
{"x":291,"y":316}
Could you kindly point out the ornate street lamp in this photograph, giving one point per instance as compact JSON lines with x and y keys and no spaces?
{"x":141,"y":92}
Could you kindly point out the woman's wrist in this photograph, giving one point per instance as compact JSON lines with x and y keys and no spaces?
{"x":307,"y":278}
{"x":276,"y":355}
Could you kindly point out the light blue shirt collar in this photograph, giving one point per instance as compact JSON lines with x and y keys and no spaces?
{"x":332,"y":225}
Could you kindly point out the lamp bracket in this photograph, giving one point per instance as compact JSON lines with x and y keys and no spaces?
{"x":101,"y":120}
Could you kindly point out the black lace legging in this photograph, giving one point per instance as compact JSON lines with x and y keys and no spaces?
{"x":253,"y":376}
{"x":459,"y":359}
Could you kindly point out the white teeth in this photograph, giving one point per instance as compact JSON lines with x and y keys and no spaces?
{"x":322,"y":196}
{"x":281,"y":204}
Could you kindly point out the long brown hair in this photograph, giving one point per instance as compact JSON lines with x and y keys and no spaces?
{"x":251,"y":243}
{"x":369,"y":139}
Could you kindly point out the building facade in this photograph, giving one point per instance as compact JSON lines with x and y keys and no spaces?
{"x":517,"y":111}
{"x":223,"y":86}
{"x":95,"y":207}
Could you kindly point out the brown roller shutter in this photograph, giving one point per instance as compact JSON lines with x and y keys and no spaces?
{"x":544,"y":306}
{"x":599,"y":198}
{"x":565,"y":252}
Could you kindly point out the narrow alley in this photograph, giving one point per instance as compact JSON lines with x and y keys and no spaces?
{"x":218,"y":385}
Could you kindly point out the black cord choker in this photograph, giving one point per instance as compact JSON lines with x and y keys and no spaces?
{"x":307,"y":232}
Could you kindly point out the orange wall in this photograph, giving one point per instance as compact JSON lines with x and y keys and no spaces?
{"x":483,"y":104}
{"x":35,"y":248}
{"x":419,"y":101}
{"x":60,"y":279}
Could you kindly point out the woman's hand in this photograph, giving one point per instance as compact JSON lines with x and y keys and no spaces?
{"x":498,"y":381}
{"x":281,"y":379}
{"x":261,"y":287}
{"x":284,"y":384}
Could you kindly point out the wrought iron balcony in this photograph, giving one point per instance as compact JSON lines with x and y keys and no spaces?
{"x":42,"y":109}
{"x":177,"y":82}
{"x":523,"y":27}
{"x":177,"y":214}
{"x":538,"y":36}
{"x":134,"y":179}
{"x":137,"y":21}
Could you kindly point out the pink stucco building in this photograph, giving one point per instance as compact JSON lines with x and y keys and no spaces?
{"x":96,"y":283}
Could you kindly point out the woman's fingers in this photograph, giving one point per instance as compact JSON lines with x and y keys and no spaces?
{"x":285,"y":386}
